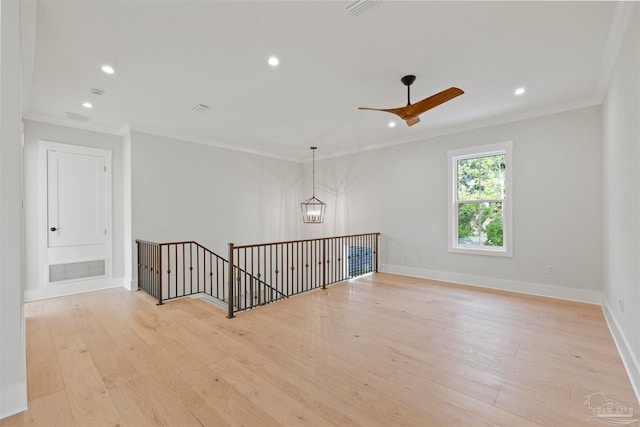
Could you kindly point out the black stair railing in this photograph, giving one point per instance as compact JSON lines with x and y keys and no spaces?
{"x":177,"y":269}
{"x":297,"y":266}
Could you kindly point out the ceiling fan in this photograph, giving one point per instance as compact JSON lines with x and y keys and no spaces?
{"x":411,"y":112}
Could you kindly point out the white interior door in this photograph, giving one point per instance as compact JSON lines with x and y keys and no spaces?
{"x":76,"y":199}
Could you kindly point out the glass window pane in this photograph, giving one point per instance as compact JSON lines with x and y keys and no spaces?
{"x":468,"y":224}
{"x":492,"y":174}
{"x":468,"y":184}
{"x":478,"y":202}
{"x":491,"y":229}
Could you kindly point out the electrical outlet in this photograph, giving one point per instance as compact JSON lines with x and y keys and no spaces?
{"x":621,"y":302}
{"x":551,"y":269}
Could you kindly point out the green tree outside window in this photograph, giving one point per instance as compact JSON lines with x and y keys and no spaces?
{"x":480,"y":196}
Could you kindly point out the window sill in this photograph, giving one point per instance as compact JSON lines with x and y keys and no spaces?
{"x":481,"y":251}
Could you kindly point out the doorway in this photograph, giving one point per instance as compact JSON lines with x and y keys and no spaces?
{"x":75,"y":220}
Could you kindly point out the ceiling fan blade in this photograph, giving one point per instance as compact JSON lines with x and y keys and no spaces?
{"x":400,"y":112}
{"x":411,"y":120}
{"x":397,"y":111}
{"x":432,"y":101}
{"x":387,"y":110}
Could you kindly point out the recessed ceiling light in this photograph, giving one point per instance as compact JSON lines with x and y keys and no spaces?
{"x":87,"y":105}
{"x":274,"y":61}
{"x":519,"y":91}
{"x":108,"y":69}
{"x":392,"y":124}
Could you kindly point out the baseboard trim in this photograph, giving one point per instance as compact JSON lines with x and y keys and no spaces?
{"x":627,"y":355}
{"x":133,"y":284}
{"x":70,"y":288}
{"x":529,"y":288}
{"x":13,"y":400}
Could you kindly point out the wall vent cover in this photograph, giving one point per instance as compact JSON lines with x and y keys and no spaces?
{"x":76,"y":270}
{"x":200,"y":108}
{"x":76,"y":116}
{"x":359,"y":7}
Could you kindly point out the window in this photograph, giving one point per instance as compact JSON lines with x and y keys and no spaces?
{"x":480,"y":200}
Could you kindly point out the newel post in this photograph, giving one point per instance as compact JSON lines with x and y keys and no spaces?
{"x":159,"y":273}
{"x":139,"y":262}
{"x":230,"y":292}
{"x":375,"y":268}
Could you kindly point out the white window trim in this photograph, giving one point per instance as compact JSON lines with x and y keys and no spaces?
{"x":453,"y":156}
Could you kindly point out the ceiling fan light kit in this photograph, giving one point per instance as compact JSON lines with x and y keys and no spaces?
{"x":411,"y":112}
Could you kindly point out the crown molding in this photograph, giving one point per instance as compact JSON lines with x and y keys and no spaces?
{"x":110,"y":130}
{"x":210,"y":142}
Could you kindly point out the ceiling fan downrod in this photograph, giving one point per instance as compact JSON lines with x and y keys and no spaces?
{"x":408,"y":81}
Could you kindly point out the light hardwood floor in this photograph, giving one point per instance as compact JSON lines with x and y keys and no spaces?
{"x":381,"y":350}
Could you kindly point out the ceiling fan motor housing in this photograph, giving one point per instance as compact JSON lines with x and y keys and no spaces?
{"x":408,"y":80}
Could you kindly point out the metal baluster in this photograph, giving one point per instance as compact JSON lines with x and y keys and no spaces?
{"x":231,"y":284}
{"x":160,"y":276}
{"x":299,"y":267}
{"x":197,"y":269}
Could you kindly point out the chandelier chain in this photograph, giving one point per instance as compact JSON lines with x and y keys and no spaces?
{"x":313,"y":179}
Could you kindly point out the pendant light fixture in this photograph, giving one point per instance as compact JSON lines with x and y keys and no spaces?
{"x":313,"y":209}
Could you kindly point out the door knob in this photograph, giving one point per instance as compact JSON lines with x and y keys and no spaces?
{"x":54,"y":229}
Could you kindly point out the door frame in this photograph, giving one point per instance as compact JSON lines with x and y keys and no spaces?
{"x":43,"y":235}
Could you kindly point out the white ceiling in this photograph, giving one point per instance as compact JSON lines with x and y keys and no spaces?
{"x":171,"y":56}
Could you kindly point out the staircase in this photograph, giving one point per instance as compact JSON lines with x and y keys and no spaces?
{"x":257,"y":274}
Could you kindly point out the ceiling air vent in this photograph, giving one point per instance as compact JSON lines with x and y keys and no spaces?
{"x":359,"y":7}
{"x":200,"y":108}
{"x":76,"y":116}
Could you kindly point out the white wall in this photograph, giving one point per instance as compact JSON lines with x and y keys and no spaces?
{"x":401,"y":191}
{"x":38,"y":131}
{"x":184,"y":191}
{"x":621,"y":157}
{"x":13,"y":384}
